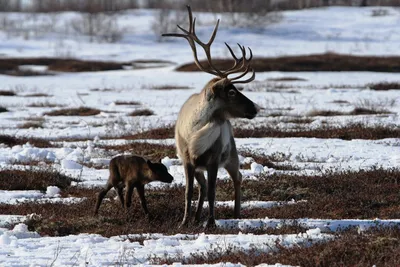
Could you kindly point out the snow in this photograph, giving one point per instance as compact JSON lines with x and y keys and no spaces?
{"x":19,"y":196}
{"x":347,"y":30}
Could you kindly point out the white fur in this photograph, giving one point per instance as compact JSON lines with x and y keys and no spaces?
{"x":226,"y":134}
{"x":203,"y":139}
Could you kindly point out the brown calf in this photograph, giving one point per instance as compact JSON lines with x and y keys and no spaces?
{"x":132,"y":171}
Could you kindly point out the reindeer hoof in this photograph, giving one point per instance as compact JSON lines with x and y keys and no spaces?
{"x":211,"y":223}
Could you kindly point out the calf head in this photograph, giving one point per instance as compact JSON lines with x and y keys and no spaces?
{"x":160,"y":172}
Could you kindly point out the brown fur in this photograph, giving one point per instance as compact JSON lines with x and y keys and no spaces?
{"x":130,"y":171}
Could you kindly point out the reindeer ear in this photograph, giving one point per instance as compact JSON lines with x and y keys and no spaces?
{"x":210,"y":93}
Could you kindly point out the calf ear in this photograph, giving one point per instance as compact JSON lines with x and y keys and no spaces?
{"x":149,"y":163}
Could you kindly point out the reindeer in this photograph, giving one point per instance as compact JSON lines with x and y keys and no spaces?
{"x":132,"y":171}
{"x":203,"y":132}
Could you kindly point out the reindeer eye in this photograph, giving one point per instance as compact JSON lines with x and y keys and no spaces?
{"x":231,"y":93}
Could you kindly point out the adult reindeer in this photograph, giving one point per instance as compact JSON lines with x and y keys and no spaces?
{"x":203,"y":133}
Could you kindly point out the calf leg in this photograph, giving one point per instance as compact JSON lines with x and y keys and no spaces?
{"x":189,"y":174}
{"x":100,"y":197}
{"x":128,"y":195}
{"x":140,"y":189}
{"x":120,"y":194}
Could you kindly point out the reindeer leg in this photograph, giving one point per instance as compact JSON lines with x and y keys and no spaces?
{"x":201,"y":180}
{"x":212,"y":181}
{"x":189,"y":173}
{"x":233,"y":169}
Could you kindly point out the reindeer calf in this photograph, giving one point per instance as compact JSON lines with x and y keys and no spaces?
{"x":132,"y":171}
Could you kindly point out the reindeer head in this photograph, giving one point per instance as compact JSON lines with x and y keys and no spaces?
{"x":227,"y":99}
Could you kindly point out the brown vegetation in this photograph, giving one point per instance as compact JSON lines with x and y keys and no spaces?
{"x":169,"y":87}
{"x":11,"y":65}
{"x":7,"y":93}
{"x":37,"y":95}
{"x":33,"y":179}
{"x":383,"y":86}
{"x":377,"y":247}
{"x":361,"y":195}
{"x":13,"y":141}
{"x":341,"y":102}
{"x":153,"y":152}
{"x":347,"y":132}
{"x":286,"y":79}
{"x":130,"y":103}
{"x":32,"y":124}
{"x":357,"y":195}
{"x":45,"y":104}
{"x":81,"y":111}
{"x":141,"y":112}
{"x":157,"y":133}
{"x":354,"y":112}
{"x":318,"y":62}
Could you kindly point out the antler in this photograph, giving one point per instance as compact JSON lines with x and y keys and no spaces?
{"x":239,"y":65}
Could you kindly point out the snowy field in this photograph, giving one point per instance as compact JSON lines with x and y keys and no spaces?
{"x":341,"y":30}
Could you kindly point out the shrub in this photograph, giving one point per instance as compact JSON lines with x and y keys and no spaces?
{"x":82,"y":111}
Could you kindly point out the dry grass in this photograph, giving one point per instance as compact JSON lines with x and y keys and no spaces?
{"x":11,"y":65}
{"x":154,"y":152}
{"x":45,"y":104}
{"x":326,"y":113}
{"x":127,"y":103}
{"x":297,"y":120}
{"x":32,"y":124}
{"x":377,"y":247}
{"x":347,"y":132}
{"x":341,"y":102}
{"x":357,"y":195}
{"x":270,"y":161}
{"x":319,"y":62}
{"x":286,"y":79}
{"x":141,"y":112}
{"x":102,"y":90}
{"x":383,"y":86}
{"x":13,"y":141}
{"x":168,"y":87}
{"x":7,"y":93}
{"x":82,"y":111}
{"x":33,"y":179}
{"x":157,"y":133}
{"x":38,"y":95}
{"x":356,"y":111}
